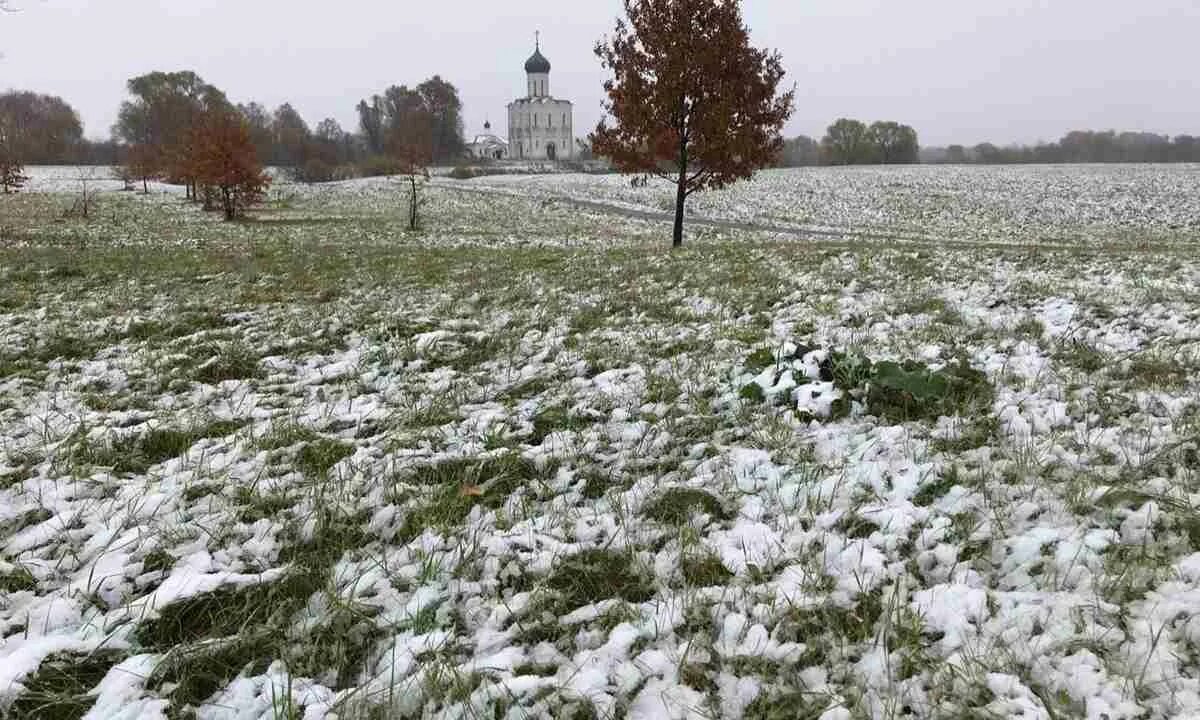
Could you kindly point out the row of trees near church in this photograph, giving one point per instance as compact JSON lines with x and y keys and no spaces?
{"x":151,"y":135}
{"x":852,"y":142}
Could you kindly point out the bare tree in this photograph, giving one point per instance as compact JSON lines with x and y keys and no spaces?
{"x":414,"y":172}
{"x":85,"y":202}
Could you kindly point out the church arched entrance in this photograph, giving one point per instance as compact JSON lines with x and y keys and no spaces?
{"x":551,"y":151}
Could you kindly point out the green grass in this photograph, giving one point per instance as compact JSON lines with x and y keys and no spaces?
{"x":317,"y":457}
{"x":231,"y":361}
{"x":675,"y":506}
{"x":531,"y":325}
{"x":17,"y":580}
{"x":60,"y":688}
{"x":594,"y":575}
{"x":136,"y":454}
{"x":453,"y":488}
{"x":704,"y":570}
{"x":552,"y":419}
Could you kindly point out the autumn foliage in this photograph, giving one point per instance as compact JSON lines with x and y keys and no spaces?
{"x":12,"y":170}
{"x":222,"y":159}
{"x":692,"y":101}
{"x":12,"y":174}
{"x":142,"y":164}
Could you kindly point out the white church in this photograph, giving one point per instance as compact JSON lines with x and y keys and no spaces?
{"x":540,"y":126}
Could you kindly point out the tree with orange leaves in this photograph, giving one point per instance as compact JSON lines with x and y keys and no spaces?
{"x":693,"y":102}
{"x":413,"y":149}
{"x":141,"y":163}
{"x":225,"y":160}
{"x":12,"y":169}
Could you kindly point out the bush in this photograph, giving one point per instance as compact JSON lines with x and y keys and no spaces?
{"x":345,"y":171}
{"x":895,"y":392}
{"x":463,"y":173}
{"x":379,"y":165}
{"x":314,"y":171}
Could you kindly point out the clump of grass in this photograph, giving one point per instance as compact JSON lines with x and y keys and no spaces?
{"x":555,"y":418}
{"x":704,"y":570}
{"x":233,"y":361}
{"x":284,"y":435}
{"x":774,"y":705}
{"x":256,"y":506}
{"x":594,"y":575}
{"x":182,"y":325}
{"x":317,"y":457}
{"x":138,"y":453}
{"x":460,"y":485}
{"x":65,"y":347}
{"x":29,"y":518}
{"x":829,"y":628}
{"x":760,"y":360}
{"x":20,"y":367}
{"x":60,"y":688}
{"x":1082,"y":356}
{"x":976,"y":433}
{"x":1029,"y":328}
{"x":1157,"y":371}
{"x":853,"y":525}
{"x":930,"y":491}
{"x":527,"y":389}
{"x":596,"y":482}
{"x":676,"y":506}
{"x":19,"y":579}
{"x":588,"y":319}
{"x":337,"y":650}
{"x":158,"y":560}
{"x":470,"y":353}
{"x":209,"y":639}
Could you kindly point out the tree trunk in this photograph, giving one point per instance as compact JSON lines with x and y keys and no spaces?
{"x":412,"y":207}
{"x":230,"y":206}
{"x":145,"y":186}
{"x":680,"y":194}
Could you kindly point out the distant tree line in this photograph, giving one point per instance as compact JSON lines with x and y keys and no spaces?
{"x":1080,"y":146}
{"x":151,"y":137}
{"x":425,"y":123}
{"x":853,"y":142}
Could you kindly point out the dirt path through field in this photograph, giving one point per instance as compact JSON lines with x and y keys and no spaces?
{"x":798,"y":231}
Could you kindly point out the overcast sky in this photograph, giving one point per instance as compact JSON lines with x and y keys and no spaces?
{"x":960,"y":71}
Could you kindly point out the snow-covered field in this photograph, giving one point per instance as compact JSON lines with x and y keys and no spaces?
{"x":530,"y":463}
{"x":1019,"y":204}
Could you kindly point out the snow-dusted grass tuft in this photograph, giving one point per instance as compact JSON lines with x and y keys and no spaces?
{"x":528,"y":463}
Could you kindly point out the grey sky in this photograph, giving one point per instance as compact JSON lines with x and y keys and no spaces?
{"x":957,"y":70}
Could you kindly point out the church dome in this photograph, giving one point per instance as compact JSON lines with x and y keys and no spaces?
{"x":537,"y":63}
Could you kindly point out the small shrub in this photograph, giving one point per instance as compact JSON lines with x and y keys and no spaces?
{"x":911,"y":391}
